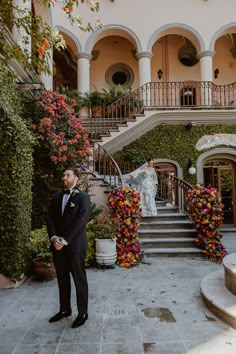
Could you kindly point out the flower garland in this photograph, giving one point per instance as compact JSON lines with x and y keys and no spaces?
{"x":124,"y":204}
{"x":205,"y":209}
{"x":59,"y":130}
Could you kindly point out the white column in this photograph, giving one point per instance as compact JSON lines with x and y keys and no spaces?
{"x":83,"y":71}
{"x":83,"y":77}
{"x":19,"y":34}
{"x":47,"y":79}
{"x":144,"y":62}
{"x":206,"y":73}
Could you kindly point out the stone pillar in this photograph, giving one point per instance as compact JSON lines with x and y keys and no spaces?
{"x":144,"y":61}
{"x":206,"y":73}
{"x":83,"y":71}
{"x":19,"y":33}
{"x":83,"y":77}
{"x":47,"y":79}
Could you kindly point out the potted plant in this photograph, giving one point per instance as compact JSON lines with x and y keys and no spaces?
{"x":105,"y":231}
{"x":94,"y":100}
{"x":42,"y":263}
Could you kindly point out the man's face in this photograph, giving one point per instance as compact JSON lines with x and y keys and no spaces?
{"x":69,"y":180}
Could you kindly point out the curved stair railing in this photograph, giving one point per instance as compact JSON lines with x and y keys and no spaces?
{"x":103,"y":166}
{"x":161,"y":95}
{"x":173,"y":190}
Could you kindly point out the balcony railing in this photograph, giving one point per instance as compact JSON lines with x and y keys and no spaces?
{"x":163,"y":96}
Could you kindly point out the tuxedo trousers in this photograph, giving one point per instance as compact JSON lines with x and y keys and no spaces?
{"x":67,"y":262}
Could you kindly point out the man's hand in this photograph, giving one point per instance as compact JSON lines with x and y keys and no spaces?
{"x":57,"y":243}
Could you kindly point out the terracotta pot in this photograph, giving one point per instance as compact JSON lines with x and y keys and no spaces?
{"x":41,"y":270}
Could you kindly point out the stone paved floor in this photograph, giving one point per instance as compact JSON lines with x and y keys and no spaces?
{"x":155,"y":308}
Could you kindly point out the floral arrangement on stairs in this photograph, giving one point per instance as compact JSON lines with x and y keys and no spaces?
{"x":204,"y":207}
{"x":124,"y":204}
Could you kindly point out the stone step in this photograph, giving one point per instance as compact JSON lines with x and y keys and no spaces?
{"x":163,"y":233}
{"x":165,"y":216}
{"x":166,"y":209}
{"x":218,"y":298}
{"x":173,"y":252}
{"x":167,"y":242}
{"x":229,"y":263}
{"x":166,"y":224}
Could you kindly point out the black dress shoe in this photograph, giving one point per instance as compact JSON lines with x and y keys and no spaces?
{"x":80,"y":320}
{"x":59,"y":316}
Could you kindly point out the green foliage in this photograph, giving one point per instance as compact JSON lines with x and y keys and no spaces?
{"x":103,"y":227}
{"x":40,"y":245}
{"x":90,"y":254}
{"x":172,"y":142}
{"x":36,"y":31}
{"x":15,"y":182}
{"x":112,"y":94}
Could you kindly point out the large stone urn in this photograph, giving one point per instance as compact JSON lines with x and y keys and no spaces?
{"x":105,"y":251}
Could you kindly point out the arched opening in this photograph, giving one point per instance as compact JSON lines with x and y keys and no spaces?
{"x":188,"y":96}
{"x":220,"y":173}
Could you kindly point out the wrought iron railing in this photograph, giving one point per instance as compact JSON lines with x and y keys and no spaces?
{"x":101,"y":163}
{"x":193,"y":95}
{"x":173,"y":190}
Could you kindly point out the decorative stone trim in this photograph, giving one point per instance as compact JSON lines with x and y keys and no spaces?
{"x":83,"y":55}
{"x":150,"y":122}
{"x":144,"y":55}
{"x":228,"y":153}
{"x":209,"y":141}
{"x":206,"y":53}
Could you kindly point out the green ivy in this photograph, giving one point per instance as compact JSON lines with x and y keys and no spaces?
{"x":15,"y":182}
{"x":174,"y":142}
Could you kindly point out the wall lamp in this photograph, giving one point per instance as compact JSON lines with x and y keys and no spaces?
{"x":159,"y":74}
{"x":216,"y":72}
{"x":191,"y":169}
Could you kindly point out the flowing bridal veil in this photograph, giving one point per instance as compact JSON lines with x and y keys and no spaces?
{"x":144,"y":179}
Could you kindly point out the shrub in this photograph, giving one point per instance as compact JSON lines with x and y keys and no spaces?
{"x":15,"y":182}
{"x":40,"y":246}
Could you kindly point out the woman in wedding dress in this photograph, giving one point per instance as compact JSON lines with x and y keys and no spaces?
{"x":147,"y":187}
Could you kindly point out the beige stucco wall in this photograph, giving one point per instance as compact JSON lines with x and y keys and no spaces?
{"x":144,"y":19}
{"x":155,"y":26}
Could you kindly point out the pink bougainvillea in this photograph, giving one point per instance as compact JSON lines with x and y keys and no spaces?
{"x":59,"y":129}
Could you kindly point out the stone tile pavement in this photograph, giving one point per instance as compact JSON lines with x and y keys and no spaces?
{"x":155,"y":308}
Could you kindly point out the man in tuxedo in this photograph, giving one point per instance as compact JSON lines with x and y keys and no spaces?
{"x":68,"y":215}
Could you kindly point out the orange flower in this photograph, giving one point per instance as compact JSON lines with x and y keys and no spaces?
{"x":40,"y":50}
{"x":46,"y":44}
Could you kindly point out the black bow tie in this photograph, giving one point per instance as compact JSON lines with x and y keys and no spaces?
{"x":66,"y":191}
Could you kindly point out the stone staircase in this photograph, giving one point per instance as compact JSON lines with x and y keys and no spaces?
{"x":219,"y":291}
{"x":169,"y":234}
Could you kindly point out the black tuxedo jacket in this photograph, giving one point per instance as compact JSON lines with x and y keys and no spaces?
{"x":72,"y":224}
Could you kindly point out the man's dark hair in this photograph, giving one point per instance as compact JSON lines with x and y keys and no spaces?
{"x":74,"y":169}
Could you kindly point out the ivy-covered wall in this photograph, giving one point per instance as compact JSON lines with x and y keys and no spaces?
{"x":15,"y":182}
{"x":175,"y":142}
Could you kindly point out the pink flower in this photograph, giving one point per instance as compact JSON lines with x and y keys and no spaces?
{"x":53,"y":158}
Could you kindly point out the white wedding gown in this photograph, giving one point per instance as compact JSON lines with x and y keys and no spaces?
{"x":145,"y":179}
